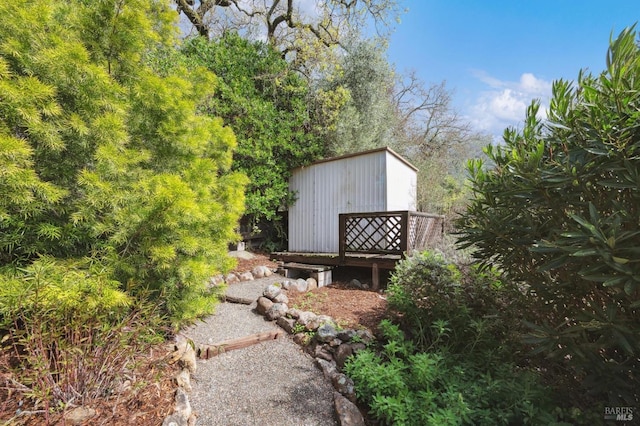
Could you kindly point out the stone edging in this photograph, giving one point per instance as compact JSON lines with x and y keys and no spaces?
{"x":322,"y":339}
{"x":329,"y":345}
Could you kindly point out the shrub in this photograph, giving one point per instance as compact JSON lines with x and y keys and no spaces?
{"x":440,"y":306}
{"x":104,"y":156}
{"x":70,"y":332}
{"x":559,"y":211}
{"x":404,"y":387}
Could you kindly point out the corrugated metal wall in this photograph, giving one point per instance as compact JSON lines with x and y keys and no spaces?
{"x":360,"y":183}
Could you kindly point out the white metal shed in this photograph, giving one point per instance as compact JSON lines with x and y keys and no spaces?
{"x":378,"y":180}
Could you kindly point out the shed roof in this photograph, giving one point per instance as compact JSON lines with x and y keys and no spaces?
{"x":370,"y":151}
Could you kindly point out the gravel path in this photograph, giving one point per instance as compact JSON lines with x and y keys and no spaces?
{"x":271,"y":383}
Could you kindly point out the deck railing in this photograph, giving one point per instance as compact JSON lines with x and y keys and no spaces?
{"x":395,"y":232}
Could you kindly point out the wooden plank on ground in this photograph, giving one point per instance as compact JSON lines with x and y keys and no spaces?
{"x":208,"y":351}
{"x":234,"y":299}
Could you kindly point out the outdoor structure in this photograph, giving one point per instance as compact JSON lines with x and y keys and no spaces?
{"x":372,"y":181}
{"x":356,"y":210}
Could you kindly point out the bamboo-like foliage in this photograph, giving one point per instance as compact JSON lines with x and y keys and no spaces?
{"x":105,"y":157}
{"x":560,"y":212}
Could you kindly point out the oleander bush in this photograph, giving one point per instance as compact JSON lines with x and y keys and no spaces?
{"x":558,"y":211}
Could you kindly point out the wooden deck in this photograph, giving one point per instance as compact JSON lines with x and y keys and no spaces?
{"x":376,"y":240}
{"x":367,"y":260}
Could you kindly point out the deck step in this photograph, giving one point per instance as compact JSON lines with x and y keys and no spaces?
{"x":321,"y":273}
{"x":307,"y":267}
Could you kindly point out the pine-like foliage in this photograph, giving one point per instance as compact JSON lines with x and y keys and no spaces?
{"x":102,"y":156}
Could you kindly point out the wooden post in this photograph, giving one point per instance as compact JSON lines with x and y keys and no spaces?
{"x":404,"y":232}
{"x":342,"y":236}
{"x":375,"y":277}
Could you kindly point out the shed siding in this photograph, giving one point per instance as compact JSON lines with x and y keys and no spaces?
{"x":359,"y":183}
{"x":402,"y":182}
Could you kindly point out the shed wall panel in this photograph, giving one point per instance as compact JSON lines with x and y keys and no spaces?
{"x":402,"y":182}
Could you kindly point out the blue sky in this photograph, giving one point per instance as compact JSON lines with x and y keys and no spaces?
{"x":496,"y":56}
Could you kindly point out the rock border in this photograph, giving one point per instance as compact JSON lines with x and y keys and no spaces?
{"x":319,"y":335}
{"x":324,"y":340}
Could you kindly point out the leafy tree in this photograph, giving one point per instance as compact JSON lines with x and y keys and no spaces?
{"x":104,"y":157}
{"x":266,"y":104}
{"x":559,"y":211}
{"x":385,"y":108}
{"x":368,"y":79}
{"x":306,"y":32}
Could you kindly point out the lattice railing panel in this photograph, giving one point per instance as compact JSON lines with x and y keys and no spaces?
{"x":372,"y":234}
{"x":424,"y":230}
{"x":388,"y":232}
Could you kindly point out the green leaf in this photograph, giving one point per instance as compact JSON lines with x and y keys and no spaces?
{"x":630,"y":287}
{"x":614,"y":281}
{"x":553,"y":264}
{"x":620,"y":260}
{"x":585,"y":252}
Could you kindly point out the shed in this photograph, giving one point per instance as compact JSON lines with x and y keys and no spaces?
{"x":378,"y":180}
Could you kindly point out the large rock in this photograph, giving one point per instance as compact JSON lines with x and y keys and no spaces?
{"x":365,"y":336}
{"x":344,"y":385}
{"x":183,"y":380}
{"x":276,"y":311}
{"x":343,"y":352}
{"x":326,"y":333}
{"x":272,"y":291}
{"x":300,"y":285}
{"x":185,"y":353}
{"x":287,"y":324}
{"x":281,"y":298}
{"x":79,"y":415}
{"x":258,"y":272}
{"x":328,"y":368}
{"x":294,"y":313}
{"x":347,"y":412}
{"x":355,"y":283}
{"x":246,"y":276}
{"x":323,"y":352}
{"x":306,"y":318}
{"x":263,"y":305}
{"x":216,"y":280}
{"x":318,"y":321}
{"x":346,"y":335}
{"x":286,"y":284}
{"x":312,"y":284}
{"x":231,"y":278}
{"x":261,"y":271}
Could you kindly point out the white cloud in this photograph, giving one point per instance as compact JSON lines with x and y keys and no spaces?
{"x":503,"y":104}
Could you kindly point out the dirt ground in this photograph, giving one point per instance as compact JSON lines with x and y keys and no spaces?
{"x":348,"y":306}
{"x":150,"y":398}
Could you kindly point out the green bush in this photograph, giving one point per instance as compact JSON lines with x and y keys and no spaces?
{"x":559,"y":212}
{"x":70,"y":333}
{"x":404,"y":387}
{"x":104,"y":156}
{"x":442,"y":306}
